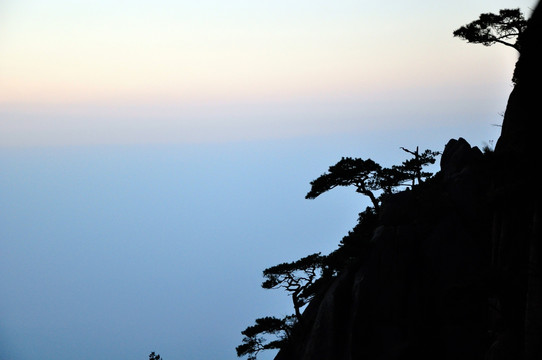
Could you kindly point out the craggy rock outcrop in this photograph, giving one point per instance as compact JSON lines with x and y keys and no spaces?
{"x":455,"y":266}
{"x":421,"y":293}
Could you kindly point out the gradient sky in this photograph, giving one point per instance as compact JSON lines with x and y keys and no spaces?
{"x":110,"y":72}
{"x":154,"y":156}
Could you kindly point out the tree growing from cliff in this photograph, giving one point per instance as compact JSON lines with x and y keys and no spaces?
{"x":413,"y":168}
{"x":297,"y":278}
{"x":154,"y":356}
{"x":363,"y":174}
{"x":305,"y":278}
{"x":369,"y":177}
{"x":504,"y":28}
{"x":254,"y":340}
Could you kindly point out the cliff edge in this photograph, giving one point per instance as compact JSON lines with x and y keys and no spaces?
{"x":455,"y":265}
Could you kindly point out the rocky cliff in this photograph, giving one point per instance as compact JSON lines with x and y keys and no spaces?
{"x":455,"y":266}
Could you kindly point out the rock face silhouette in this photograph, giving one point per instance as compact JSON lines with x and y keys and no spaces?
{"x":455,"y":268}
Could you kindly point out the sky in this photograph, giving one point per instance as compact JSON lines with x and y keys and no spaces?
{"x":154,"y":156}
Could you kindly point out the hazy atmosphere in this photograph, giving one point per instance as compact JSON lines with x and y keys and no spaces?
{"x":154,"y":156}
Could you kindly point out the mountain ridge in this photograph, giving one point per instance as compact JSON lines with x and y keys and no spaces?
{"x":454,"y":269}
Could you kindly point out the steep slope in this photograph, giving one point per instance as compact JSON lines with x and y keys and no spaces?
{"x":516,"y":237}
{"x":455,"y":267}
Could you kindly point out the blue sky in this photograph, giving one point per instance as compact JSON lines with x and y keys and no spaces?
{"x":155,"y":156}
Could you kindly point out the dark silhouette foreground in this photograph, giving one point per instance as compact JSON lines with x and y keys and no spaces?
{"x":504,"y":28}
{"x":449,"y":269}
{"x":453,"y":267}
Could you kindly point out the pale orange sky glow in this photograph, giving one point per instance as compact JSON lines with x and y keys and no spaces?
{"x":108,"y":59}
